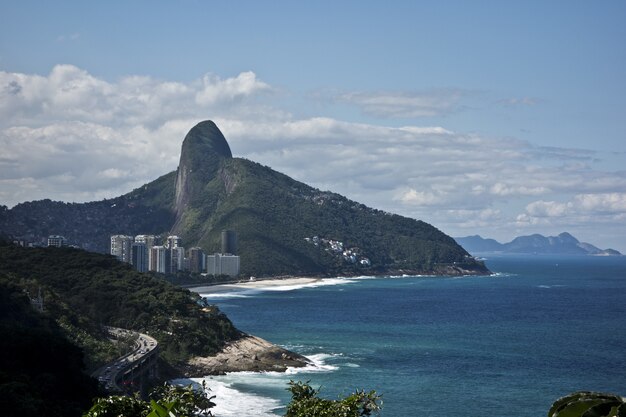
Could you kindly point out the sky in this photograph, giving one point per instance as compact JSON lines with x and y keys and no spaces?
{"x":497,"y":118}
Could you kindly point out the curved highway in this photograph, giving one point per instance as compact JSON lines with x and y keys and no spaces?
{"x":117,"y":375}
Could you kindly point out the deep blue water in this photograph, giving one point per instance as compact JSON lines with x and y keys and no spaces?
{"x":503,"y":345}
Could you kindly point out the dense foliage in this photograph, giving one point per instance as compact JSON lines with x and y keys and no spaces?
{"x":177,"y":401}
{"x":588,"y":404}
{"x":99,"y":290}
{"x":41,"y":372}
{"x":305,"y":402}
{"x":165,"y":401}
{"x":273,"y":214}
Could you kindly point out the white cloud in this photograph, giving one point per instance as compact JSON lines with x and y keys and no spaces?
{"x":600,"y":208}
{"x":404,"y":105}
{"x":215,"y":90}
{"x":420,"y":198}
{"x":609,"y":203}
{"x":548,"y":209}
{"x":73,"y":136}
{"x":70,"y":93}
{"x":502,"y":189}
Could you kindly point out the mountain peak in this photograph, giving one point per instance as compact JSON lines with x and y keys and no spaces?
{"x":204,"y":148}
{"x":205,"y":140}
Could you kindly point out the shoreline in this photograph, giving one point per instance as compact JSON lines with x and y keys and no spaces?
{"x":295,"y":281}
{"x":271,"y":283}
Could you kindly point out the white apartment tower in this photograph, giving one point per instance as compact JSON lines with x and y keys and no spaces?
{"x":160,"y":259}
{"x":121,"y":247}
{"x":149,"y":241}
{"x":174,"y":242}
{"x":222,"y":264}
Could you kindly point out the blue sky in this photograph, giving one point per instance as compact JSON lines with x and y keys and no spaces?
{"x":495,"y":118}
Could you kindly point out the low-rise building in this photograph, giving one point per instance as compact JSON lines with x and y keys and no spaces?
{"x":56,"y":241}
{"x":222,"y":264}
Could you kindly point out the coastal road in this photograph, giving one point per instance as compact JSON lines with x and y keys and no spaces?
{"x":114,"y":375}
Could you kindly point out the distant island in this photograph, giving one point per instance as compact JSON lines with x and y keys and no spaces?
{"x":563,"y":244}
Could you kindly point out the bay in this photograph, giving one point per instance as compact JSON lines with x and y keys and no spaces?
{"x":508,"y":344}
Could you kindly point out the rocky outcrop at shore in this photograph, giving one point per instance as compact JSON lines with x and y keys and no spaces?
{"x":249,"y":353}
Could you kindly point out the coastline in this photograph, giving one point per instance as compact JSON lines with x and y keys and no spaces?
{"x":271,"y":283}
{"x":248,"y":353}
{"x":274,"y":283}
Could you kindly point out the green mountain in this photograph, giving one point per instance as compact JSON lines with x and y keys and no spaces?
{"x":284,"y":227}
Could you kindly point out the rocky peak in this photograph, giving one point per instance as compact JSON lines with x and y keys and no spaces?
{"x":202,"y":152}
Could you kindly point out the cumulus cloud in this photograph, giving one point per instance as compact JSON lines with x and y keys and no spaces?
{"x":70,"y":93}
{"x":404,"y":105}
{"x":215,"y":90}
{"x":72,"y":136}
{"x":599,"y":208}
{"x":608,"y":203}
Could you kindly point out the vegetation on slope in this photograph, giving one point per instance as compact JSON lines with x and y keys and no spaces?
{"x":85,"y":291}
{"x":41,"y":372}
{"x":273,"y":214}
{"x":146,"y":210}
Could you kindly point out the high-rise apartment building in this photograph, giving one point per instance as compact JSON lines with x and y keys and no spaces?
{"x":139,"y":256}
{"x":173,"y":242}
{"x":196,"y":260}
{"x":121,"y":247}
{"x":177,"y":259}
{"x":160,"y":259}
{"x":229,"y":242}
{"x":149,"y":241}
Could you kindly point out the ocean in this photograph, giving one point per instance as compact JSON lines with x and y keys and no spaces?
{"x":508,"y":344}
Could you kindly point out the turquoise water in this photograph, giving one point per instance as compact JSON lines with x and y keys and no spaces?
{"x":502,"y":345}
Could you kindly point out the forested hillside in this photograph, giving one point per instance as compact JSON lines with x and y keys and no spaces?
{"x":41,"y":371}
{"x":83,"y":291}
{"x":274,"y":214}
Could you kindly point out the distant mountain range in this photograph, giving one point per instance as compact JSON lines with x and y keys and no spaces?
{"x":284,"y":227}
{"x":564,"y":244}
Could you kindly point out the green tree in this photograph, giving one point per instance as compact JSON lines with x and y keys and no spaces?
{"x":588,"y":404}
{"x":305,"y":402}
{"x":118,"y":406}
{"x":165,"y":401}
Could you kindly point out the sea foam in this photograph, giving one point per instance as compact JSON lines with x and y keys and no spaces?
{"x":233,"y":396}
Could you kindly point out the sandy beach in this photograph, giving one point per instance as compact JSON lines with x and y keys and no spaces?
{"x":256,"y":285}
